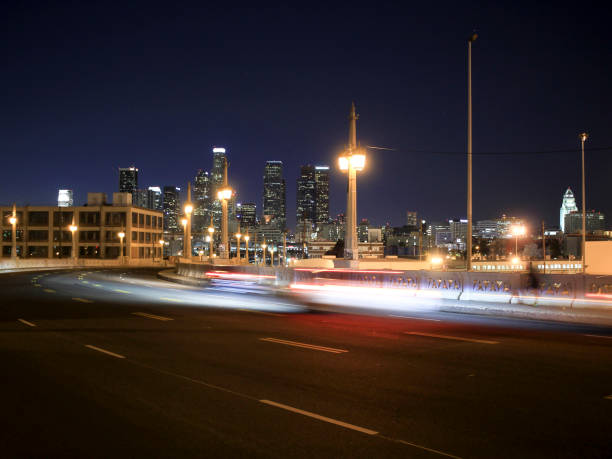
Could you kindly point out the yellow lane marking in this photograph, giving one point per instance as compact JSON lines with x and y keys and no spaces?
{"x":456,"y":338}
{"x":261,"y":312}
{"x":320,"y":418}
{"x":121,"y":291}
{"x":49,"y":290}
{"x":83,"y":300}
{"x":97,"y":285}
{"x":104,"y":351}
{"x":23,"y":321}
{"x":176,"y":300}
{"x":152,"y":316}
{"x":304,"y":345}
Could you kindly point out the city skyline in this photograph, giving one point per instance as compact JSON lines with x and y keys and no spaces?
{"x":263,"y":102}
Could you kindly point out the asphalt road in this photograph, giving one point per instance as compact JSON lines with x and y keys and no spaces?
{"x":120,"y":364}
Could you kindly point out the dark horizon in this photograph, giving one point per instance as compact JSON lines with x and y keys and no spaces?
{"x":91,"y":88}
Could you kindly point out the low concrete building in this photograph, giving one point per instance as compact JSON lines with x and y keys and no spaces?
{"x":44,"y":231}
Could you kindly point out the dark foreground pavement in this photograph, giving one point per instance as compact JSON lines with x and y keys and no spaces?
{"x":121,"y":364}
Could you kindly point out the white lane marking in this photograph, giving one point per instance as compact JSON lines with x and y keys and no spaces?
{"x":441,"y":453}
{"x":23,"y":321}
{"x":304,"y":345}
{"x":85,"y":282}
{"x":121,"y":291}
{"x":599,"y":336}
{"x":152,"y":316}
{"x":83,"y":300}
{"x":176,"y":300}
{"x":413,"y":317}
{"x":320,"y":418}
{"x":97,"y":285}
{"x":104,"y":351}
{"x":49,"y":290}
{"x":456,"y":338}
{"x":262,"y":312}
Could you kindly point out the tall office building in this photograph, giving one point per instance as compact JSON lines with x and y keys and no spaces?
{"x":154,"y":198}
{"x":128,"y":179}
{"x":64,"y":198}
{"x":216,"y":183}
{"x":594,"y":221}
{"x":172,"y":208}
{"x":274,"y":203}
{"x":202,"y":202}
{"x":247,"y":214}
{"x":568,"y":204}
{"x":411,"y":218}
{"x":322,"y":195}
{"x":306,"y":195}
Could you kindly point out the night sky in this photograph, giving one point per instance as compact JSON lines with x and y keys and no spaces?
{"x":86,"y":89}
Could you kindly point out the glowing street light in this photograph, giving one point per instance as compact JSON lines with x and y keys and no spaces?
{"x":121,"y":235}
{"x":13,"y":222}
{"x":468,"y":252}
{"x":263,"y":246}
{"x":188,"y":209}
{"x":517,"y":230}
{"x":246,"y":247}
{"x":352,"y":162}
{"x":224,"y":195}
{"x":73,"y":229}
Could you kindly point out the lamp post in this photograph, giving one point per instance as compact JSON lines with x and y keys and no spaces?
{"x":352,"y":162}
{"x":187,"y":233}
{"x":224,"y":196}
{"x":209,"y":238}
{"x":272,"y":250}
{"x":161,"y":250}
{"x":73,"y":229}
{"x":121,"y":235}
{"x":285,"y":248}
{"x":468,"y":254}
{"x":238,"y":236}
{"x":246,"y":247}
{"x":13,"y":222}
{"x":263,"y":246}
{"x":517,"y":230}
{"x":184,"y":222}
{"x":583,"y":138}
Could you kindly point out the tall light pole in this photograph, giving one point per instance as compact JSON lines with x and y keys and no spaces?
{"x":238,"y":236}
{"x":184,"y":222}
{"x":73,"y":229}
{"x":517,"y":230}
{"x":161,"y":250}
{"x":13,"y":222}
{"x":224,"y":195}
{"x":209,"y":238}
{"x":353,"y":161}
{"x":468,"y":254}
{"x":121,"y":235}
{"x":246,"y":247}
{"x":187,"y":232}
{"x":583,"y":138}
{"x":285,"y":248}
{"x":263,"y":246}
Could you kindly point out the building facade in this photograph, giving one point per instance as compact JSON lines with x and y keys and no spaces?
{"x":202,"y":202}
{"x":321,"y":195}
{"x":128,"y":179}
{"x":44,"y":231}
{"x":274,"y":202}
{"x":306,"y":196}
{"x":594,"y":221}
{"x":568,"y":205}
{"x":171,"y":209}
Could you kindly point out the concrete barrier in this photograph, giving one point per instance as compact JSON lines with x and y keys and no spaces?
{"x":32,"y":264}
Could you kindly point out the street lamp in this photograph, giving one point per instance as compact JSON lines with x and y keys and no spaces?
{"x":209,"y":239}
{"x":224,"y":195}
{"x":468,"y":254}
{"x":13,"y":222}
{"x":583,"y":138}
{"x":161,"y":249}
{"x":263,"y":246}
{"x":188,"y":210}
{"x":238,"y":236}
{"x":246,"y":247}
{"x":352,"y":162}
{"x":73,"y":229}
{"x":517,"y":230}
{"x":121,"y":235}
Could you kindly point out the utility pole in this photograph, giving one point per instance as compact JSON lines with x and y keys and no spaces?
{"x":468,"y":255}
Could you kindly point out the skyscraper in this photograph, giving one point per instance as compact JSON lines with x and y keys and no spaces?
{"x":306,"y":195}
{"x":154,"y":198}
{"x":274,"y":204}
{"x":322,"y":195}
{"x":202,"y":202}
{"x":247,"y":214}
{"x":567,"y":205}
{"x":64,"y":198}
{"x":594,"y":221}
{"x":172,"y":207}
{"x":128,"y":179}
{"x":411,"y":218}
{"x":216,"y":183}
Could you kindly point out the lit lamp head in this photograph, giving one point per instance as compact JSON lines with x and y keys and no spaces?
{"x":211,"y":230}
{"x":356,"y":161}
{"x":263,"y":246}
{"x":13,"y":220}
{"x":246,"y":238}
{"x":224,"y":194}
{"x":73,"y":228}
{"x":184,"y":221}
{"x":207,"y":238}
{"x":518,"y":230}
{"x":436,"y":261}
{"x":188,"y":209}
{"x":121,"y":234}
{"x":584,"y":136}
{"x":161,"y":242}
{"x":238,"y":235}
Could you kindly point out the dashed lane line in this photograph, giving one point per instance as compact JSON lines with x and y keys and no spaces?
{"x":97,"y":285}
{"x":304,"y":345}
{"x":83,"y":300}
{"x":175,"y":300}
{"x":23,"y":321}
{"x":104,"y":351}
{"x":152,"y":316}
{"x":49,"y":290}
{"x":456,"y":338}
{"x":121,"y":291}
{"x":346,"y":425}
